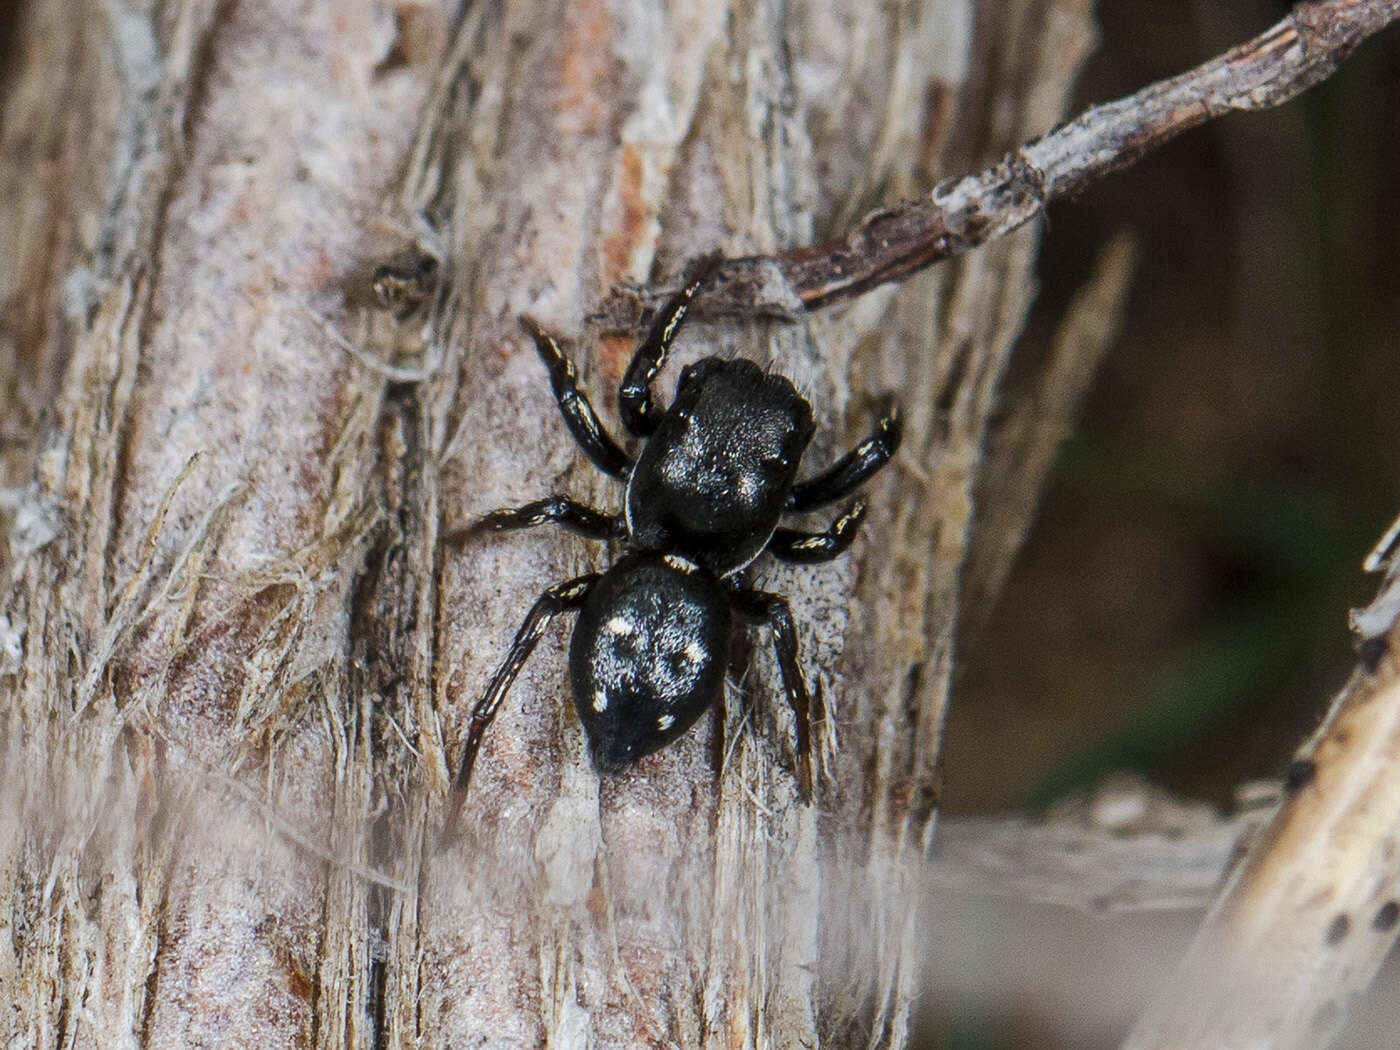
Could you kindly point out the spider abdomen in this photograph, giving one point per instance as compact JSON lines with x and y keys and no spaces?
{"x":648,"y":656}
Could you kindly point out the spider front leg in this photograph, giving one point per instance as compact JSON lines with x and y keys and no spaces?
{"x":588,"y":430}
{"x":552,"y":510}
{"x":808,"y":548}
{"x":639,"y":412}
{"x":762,"y":607}
{"x":560,"y":598}
{"x":853,"y":469}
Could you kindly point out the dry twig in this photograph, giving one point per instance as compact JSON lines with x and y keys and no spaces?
{"x":891,"y":243}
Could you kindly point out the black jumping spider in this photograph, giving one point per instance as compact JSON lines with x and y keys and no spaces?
{"x":703,"y":500}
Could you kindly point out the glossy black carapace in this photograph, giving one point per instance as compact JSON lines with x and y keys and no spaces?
{"x":716,"y":472}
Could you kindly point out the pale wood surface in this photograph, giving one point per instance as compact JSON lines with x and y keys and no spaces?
{"x":238,"y":660}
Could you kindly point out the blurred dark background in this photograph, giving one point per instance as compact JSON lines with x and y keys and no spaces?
{"x":1180,"y":608}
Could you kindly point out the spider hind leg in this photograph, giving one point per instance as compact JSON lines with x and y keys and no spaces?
{"x":562,"y":597}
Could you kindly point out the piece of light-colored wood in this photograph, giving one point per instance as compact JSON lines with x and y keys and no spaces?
{"x":1124,"y":847}
{"x":1308,"y":916}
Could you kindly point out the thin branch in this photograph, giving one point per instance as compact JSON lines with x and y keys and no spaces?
{"x":891,"y":243}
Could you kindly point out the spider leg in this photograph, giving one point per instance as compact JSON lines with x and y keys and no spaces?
{"x":853,"y":469}
{"x":560,"y":598}
{"x":772,"y":609}
{"x":583,"y":422}
{"x":806,"y":548}
{"x":552,"y":510}
{"x":639,"y":412}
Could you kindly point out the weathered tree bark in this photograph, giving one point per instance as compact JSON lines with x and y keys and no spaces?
{"x":238,"y":660}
